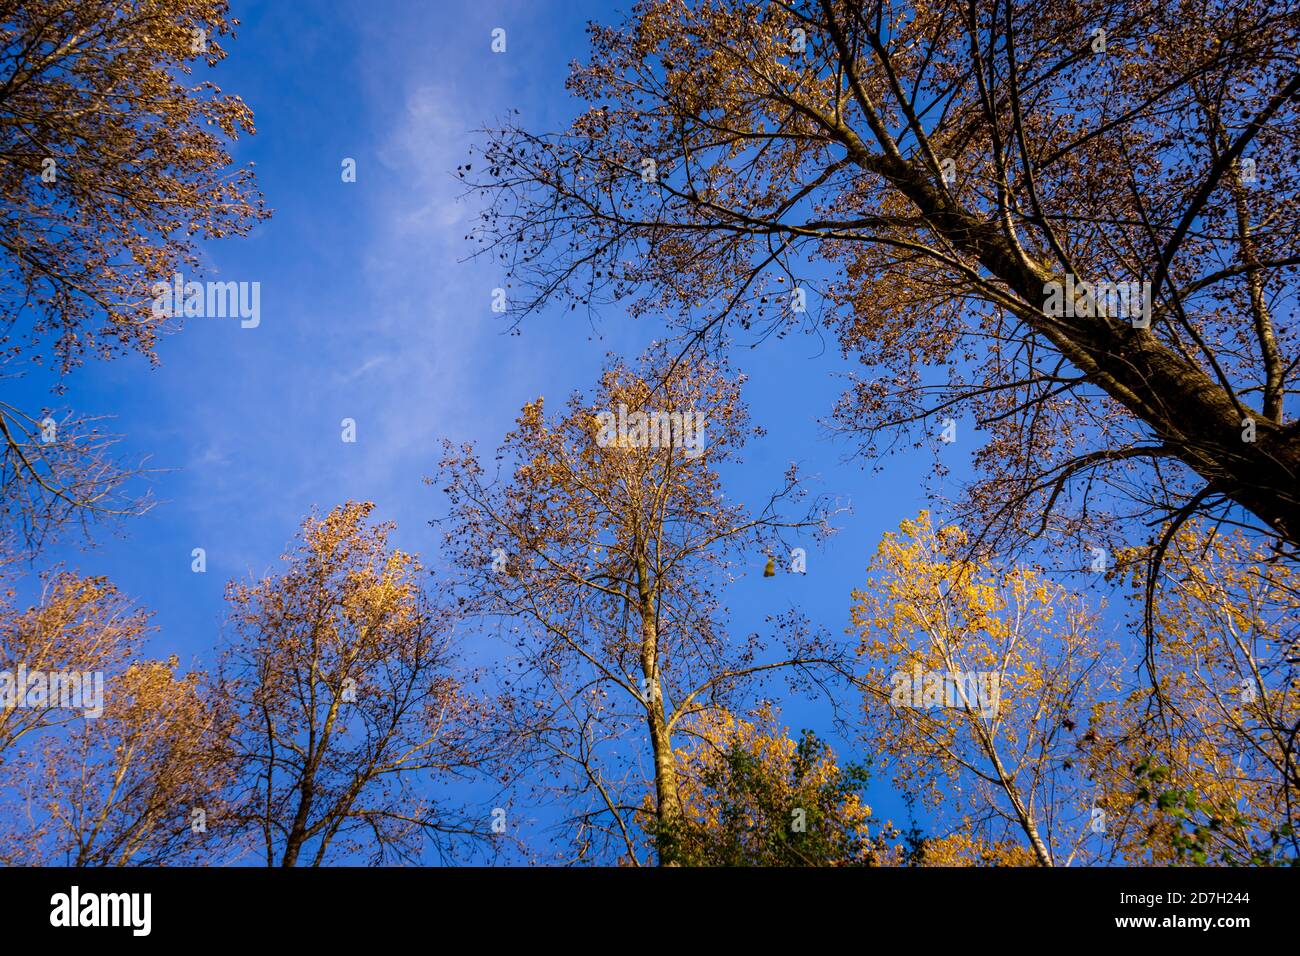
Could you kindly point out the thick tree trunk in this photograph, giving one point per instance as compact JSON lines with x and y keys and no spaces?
{"x":1187,"y":409}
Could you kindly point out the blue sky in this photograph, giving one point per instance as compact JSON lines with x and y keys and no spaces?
{"x":369,"y":312}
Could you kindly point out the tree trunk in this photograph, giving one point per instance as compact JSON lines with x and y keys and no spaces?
{"x":1188,"y":411}
{"x":298,"y":832}
{"x":668,"y":804}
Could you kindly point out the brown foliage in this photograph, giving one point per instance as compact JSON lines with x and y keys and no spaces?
{"x":113,"y":161}
{"x":344,"y":704}
{"x":605,"y":556}
{"x":925,"y":170}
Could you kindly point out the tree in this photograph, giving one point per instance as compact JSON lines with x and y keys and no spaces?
{"x":78,"y":625}
{"x":967,"y":191}
{"x":346,"y":704}
{"x":141,"y":785}
{"x":603,"y":548}
{"x":977,"y":693}
{"x":753,"y":796}
{"x":1201,"y":758}
{"x":101,"y":752}
{"x":992,"y":697}
{"x":112,"y":162}
{"x":94,"y":94}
